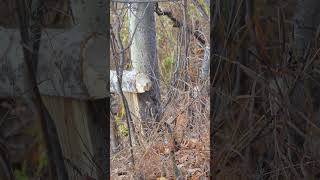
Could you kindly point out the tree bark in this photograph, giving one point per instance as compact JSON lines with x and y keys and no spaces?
{"x":71,"y":64}
{"x":83,"y":77}
{"x":205,"y":63}
{"x":144,"y":60}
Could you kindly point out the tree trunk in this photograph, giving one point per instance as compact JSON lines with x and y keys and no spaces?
{"x":144,"y":60}
{"x":113,"y":137}
{"x":82,"y":125}
{"x":132,"y":82}
{"x":71,"y":64}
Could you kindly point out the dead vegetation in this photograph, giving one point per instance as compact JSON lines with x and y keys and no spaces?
{"x":265,"y":90}
{"x":181,"y":142}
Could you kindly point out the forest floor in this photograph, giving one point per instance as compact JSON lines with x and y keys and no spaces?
{"x":182,"y":152}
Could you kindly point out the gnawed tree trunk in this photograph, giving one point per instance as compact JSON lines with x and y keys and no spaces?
{"x":72,"y":74}
{"x":91,"y":127}
{"x":132,"y":82}
{"x":144,"y":60}
{"x":69,"y":63}
{"x":72,"y":118}
{"x":64,"y":58}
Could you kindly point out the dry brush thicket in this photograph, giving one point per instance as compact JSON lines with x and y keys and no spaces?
{"x":265,"y":90}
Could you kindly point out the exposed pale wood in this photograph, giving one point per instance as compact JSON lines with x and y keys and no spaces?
{"x":71,"y":118}
{"x":113,"y":137}
{"x":132,"y":82}
{"x":71,"y":64}
{"x":133,"y":103}
{"x":91,"y":16}
{"x":81,"y":131}
{"x":59,"y":63}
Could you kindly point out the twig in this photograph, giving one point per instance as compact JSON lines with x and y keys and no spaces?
{"x":179,"y":24}
{"x":119,"y":70}
{"x":201,"y":9}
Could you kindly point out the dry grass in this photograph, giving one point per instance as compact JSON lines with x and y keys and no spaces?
{"x":153,"y":159}
{"x":265,"y":99}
